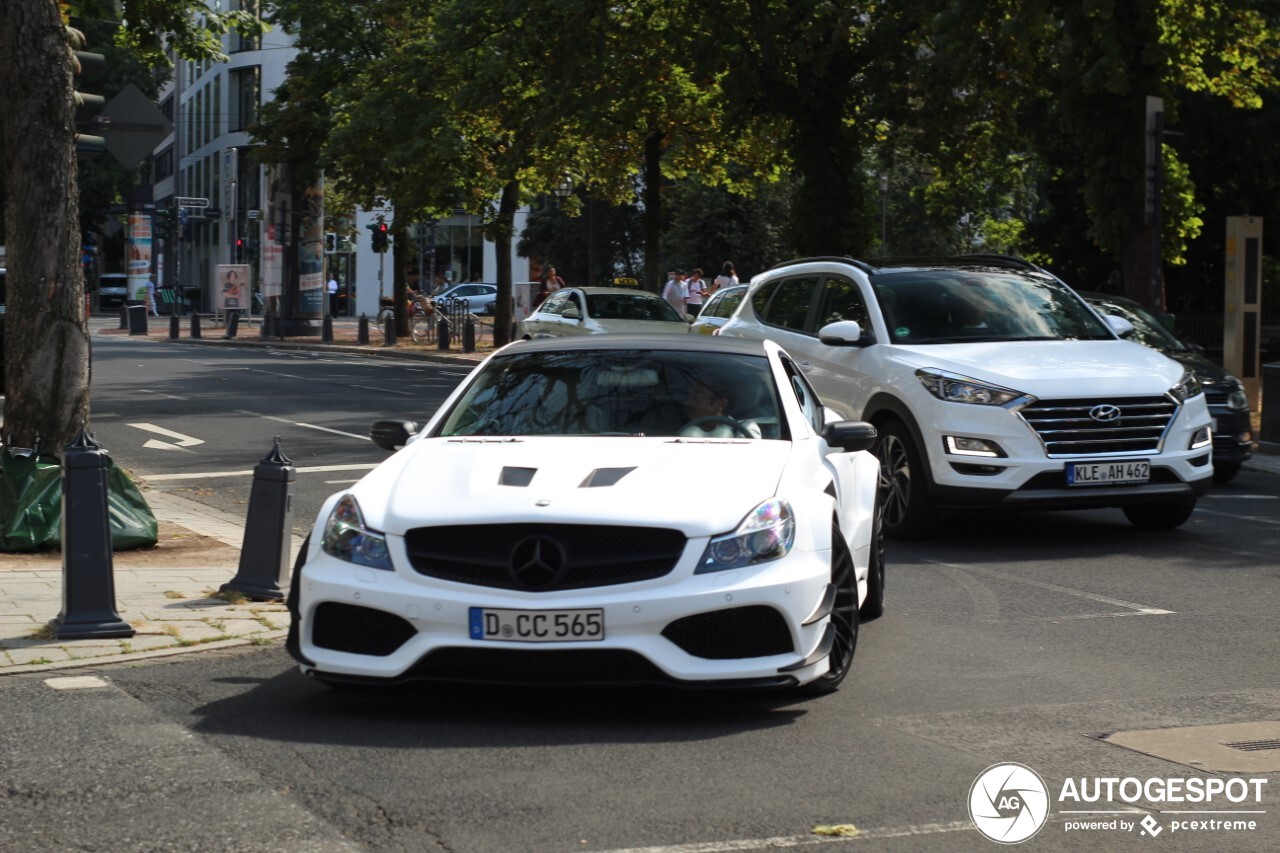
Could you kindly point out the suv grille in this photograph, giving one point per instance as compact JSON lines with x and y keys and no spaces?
{"x":567,"y":556}
{"x":1068,"y":429}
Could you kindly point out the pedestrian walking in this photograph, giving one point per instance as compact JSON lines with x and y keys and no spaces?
{"x":727,"y":278}
{"x":697,"y":292}
{"x":151,"y":297}
{"x":676,"y":292}
{"x":333,"y":296}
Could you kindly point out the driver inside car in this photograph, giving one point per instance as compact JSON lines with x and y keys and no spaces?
{"x":709,"y":410}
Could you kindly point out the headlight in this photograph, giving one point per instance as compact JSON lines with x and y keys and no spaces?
{"x":1188,"y":386}
{"x":1237,"y":398}
{"x":767,"y":533}
{"x":955,"y":388}
{"x":347,"y":538}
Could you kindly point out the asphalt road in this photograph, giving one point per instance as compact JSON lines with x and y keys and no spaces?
{"x":1024,"y":639}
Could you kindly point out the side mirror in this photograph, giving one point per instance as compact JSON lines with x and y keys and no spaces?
{"x":392,"y":435}
{"x":850,"y":436}
{"x":571,"y":313}
{"x":689,"y":318}
{"x":842,"y":333}
{"x":1122,"y":327}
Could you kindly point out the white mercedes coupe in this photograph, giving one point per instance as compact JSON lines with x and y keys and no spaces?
{"x":652,"y":509}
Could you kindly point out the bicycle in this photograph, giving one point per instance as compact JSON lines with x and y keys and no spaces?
{"x":421,"y":308}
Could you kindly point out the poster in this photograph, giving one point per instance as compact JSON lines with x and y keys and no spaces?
{"x":311,"y":288}
{"x":232,"y":292}
{"x":139,"y":262}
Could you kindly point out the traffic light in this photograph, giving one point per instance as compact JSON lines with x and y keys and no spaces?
{"x":379,"y":236}
{"x":330,"y":242}
{"x":239,"y":250}
{"x":87,"y":106}
{"x":162,"y":224}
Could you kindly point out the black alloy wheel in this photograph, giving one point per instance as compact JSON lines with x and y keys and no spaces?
{"x":1159,"y":516}
{"x":844,"y":617}
{"x":904,"y":497}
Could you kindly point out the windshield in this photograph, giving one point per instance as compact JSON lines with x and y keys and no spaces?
{"x":630,"y":306}
{"x":618,"y":392}
{"x":1147,"y":330}
{"x":958,"y":306}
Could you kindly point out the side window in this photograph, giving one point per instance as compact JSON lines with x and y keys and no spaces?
{"x":760,"y":299}
{"x":728,"y":303}
{"x":556,"y":302}
{"x":789,"y":307}
{"x":842,"y":300}
{"x":805,"y":395}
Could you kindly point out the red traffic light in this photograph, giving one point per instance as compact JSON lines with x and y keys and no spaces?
{"x":382,"y":227}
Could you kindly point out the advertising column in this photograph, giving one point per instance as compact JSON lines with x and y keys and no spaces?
{"x":139,"y":254}
{"x":311,"y":260}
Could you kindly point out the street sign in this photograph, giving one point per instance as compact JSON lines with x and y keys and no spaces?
{"x":133,"y":126}
{"x":186,"y":201}
{"x":253,"y":214}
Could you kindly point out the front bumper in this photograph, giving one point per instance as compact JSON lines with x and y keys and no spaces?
{"x":365,"y":626}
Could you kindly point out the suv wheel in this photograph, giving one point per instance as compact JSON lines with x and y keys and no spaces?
{"x":904,"y":492}
{"x":873,"y":607}
{"x":1158,"y":516}
{"x":1225,"y":472}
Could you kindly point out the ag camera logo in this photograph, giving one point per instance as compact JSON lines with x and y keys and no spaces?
{"x":1008,"y":803}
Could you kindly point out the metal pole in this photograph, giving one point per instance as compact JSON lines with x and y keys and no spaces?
{"x":884,"y":214}
{"x":1157,"y":179}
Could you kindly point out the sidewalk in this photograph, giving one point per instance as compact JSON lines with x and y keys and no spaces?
{"x":169,"y":593}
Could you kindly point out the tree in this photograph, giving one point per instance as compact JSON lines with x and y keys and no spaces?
{"x":47,"y":343}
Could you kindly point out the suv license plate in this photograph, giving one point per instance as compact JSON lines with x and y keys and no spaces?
{"x":536,"y":626}
{"x":1108,"y":473}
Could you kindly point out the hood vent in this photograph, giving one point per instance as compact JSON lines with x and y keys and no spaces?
{"x":512,"y":476}
{"x":605,"y":477}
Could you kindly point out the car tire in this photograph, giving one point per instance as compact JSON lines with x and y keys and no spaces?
{"x":1225,"y":472}
{"x":873,"y":606}
{"x":844,"y":618}
{"x":293,"y":640}
{"x":904,"y":490}
{"x":1158,"y":516}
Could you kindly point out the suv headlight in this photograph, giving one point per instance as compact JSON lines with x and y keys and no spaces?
{"x":1188,"y":386}
{"x":955,"y":388}
{"x":767,"y":533}
{"x":1236,"y":397}
{"x":347,"y":538}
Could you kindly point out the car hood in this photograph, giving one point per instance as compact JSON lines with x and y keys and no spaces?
{"x":1054,"y":368}
{"x":1205,"y":370}
{"x":700,"y":487}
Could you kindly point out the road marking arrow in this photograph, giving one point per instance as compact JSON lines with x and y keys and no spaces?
{"x":180,"y":439}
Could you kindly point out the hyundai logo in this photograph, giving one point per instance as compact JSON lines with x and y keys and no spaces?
{"x":537,"y":562}
{"x":1105,"y":413}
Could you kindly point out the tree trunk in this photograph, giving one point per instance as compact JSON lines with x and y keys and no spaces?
{"x":46,"y":335}
{"x":654,"y":275}
{"x":503,"y":230}
{"x":400,"y":280}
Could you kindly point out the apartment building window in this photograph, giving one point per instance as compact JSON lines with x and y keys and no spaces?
{"x":246,"y":93}
{"x":162,"y":165}
{"x":238,"y":42}
{"x":217,"y":107}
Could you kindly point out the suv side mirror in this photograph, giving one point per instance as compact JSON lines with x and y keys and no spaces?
{"x":850,"y":436}
{"x":571,"y":313}
{"x":392,"y":435}
{"x":843,"y":333}
{"x":1122,"y":327}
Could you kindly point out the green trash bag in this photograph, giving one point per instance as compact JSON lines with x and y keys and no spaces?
{"x":31,"y":505}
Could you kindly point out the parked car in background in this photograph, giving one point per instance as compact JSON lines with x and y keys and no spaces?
{"x":562,"y":557}
{"x":1225,"y":395}
{"x":478,"y":295}
{"x":602,"y":310}
{"x":718,"y":310}
{"x":111,"y":291}
{"x":993,"y":387}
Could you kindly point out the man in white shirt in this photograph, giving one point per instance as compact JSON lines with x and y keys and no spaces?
{"x":332,"y":287}
{"x":697,"y":292}
{"x":677,"y":292}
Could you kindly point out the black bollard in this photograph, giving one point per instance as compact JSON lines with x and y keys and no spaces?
{"x":442,"y":334}
{"x":124,"y":316}
{"x":137,"y":319}
{"x":88,"y":585}
{"x":175,"y":327}
{"x":362,"y":330}
{"x":389,"y":332}
{"x":264,"y":331}
{"x":469,"y":335}
{"x":326,"y":331}
{"x":233,"y":325}
{"x":195,"y":325}
{"x":264,"y":556}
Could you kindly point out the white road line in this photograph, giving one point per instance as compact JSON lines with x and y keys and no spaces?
{"x":273,"y":373}
{"x":383,"y":390}
{"x":1246,"y":497}
{"x":300,"y":424}
{"x":1139,"y":609}
{"x":1258,"y":518}
{"x":248,"y":472}
{"x":789,"y":841}
{"x":180,"y":440}
{"x":160,"y":394}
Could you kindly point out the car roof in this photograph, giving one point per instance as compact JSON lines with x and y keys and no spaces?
{"x":614,"y":291}
{"x":912,"y":262}
{"x":1094,"y":296}
{"x":654,"y":341}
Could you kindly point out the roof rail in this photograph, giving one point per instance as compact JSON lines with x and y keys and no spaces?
{"x":1006,"y":261}
{"x":1010,"y":261}
{"x":842,"y":259}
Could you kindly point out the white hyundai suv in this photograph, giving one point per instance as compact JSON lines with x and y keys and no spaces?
{"x":993,"y":386}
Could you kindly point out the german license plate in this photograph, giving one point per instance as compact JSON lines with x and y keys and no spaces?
{"x":1108,"y":473}
{"x":536,"y":626}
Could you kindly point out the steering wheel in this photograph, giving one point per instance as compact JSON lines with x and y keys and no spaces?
{"x":688,"y":430}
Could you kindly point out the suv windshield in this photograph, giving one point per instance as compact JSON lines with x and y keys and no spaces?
{"x":613,"y":392}
{"x":942,"y":306}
